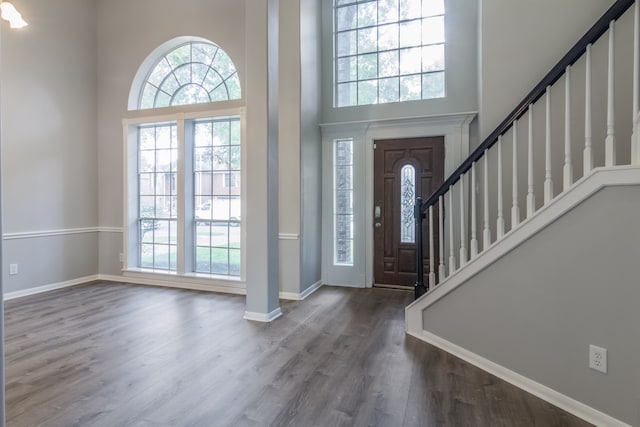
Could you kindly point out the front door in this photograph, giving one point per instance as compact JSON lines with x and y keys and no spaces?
{"x":403,"y":170}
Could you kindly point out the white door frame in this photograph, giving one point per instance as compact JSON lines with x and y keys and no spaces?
{"x":454,"y":128}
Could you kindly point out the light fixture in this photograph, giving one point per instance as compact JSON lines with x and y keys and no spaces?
{"x":9,"y":13}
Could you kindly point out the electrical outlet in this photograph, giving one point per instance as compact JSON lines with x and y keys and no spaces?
{"x":598,"y":358}
{"x":13,"y":269}
{"x":121,"y":257}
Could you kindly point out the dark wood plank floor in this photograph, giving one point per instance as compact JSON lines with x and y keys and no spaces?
{"x":116,"y":355}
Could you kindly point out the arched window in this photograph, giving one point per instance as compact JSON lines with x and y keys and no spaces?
{"x":189,"y":226}
{"x":193,"y":73}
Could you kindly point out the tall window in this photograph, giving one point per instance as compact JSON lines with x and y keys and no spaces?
{"x":184,"y":172}
{"x":217,"y":196}
{"x":388,"y":51}
{"x":407,"y":202}
{"x":343,"y":202}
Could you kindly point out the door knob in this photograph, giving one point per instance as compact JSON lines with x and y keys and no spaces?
{"x":378,"y":225}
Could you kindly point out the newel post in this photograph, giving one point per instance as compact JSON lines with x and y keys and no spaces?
{"x":420,"y":288}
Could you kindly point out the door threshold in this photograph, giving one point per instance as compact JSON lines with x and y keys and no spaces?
{"x":396,"y":287}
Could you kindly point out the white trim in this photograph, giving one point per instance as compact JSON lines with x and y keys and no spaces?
{"x":545,"y":393}
{"x":111,"y":229}
{"x":288,"y":236}
{"x":301,"y":295}
{"x":51,"y":287}
{"x":49,"y":233}
{"x":180,"y":282}
{"x":563,"y":203}
{"x":261,"y":317}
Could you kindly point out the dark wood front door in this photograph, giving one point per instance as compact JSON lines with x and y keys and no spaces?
{"x":403,"y":170}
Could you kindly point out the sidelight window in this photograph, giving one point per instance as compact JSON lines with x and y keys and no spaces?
{"x":343,"y":201}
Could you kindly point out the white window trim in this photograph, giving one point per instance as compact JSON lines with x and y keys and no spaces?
{"x":181,"y":277}
{"x":454,"y":128}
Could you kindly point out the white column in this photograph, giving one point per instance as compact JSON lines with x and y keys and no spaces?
{"x":432,"y":271}
{"x":452,"y":256}
{"x":474,"y":213}
{"x":567,"y":171}
{"x":441,"y":268}
{"x":486,"y":232}
{"x":515,"y":209}
{"x":588,"y":139}
{"x":610,"y":141}
{"x":463,"y":228}
{"x":500,"y":222}
{"x":548,"y":182}
{"x":531,"y":198}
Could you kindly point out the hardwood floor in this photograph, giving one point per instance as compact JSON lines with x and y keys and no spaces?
{"x":114,"y":355}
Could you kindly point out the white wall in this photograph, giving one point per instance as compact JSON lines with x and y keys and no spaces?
{"x":50,"y":188}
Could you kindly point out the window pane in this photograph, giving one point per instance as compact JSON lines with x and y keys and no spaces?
{"x":347,"y":94}
{"x":433,"y":58}
{"x":346,"y":18}
{"x":410,"y":9}
{"x":433,"y":30}
{"x":346,"y":43}
{"x":367,"y":40}
{"x":203,"y":53}
{"x":347,"y":69}
{"x":387,"y":11}
{"x":343,"y":202}
{"x":410,"y":88}
{"x":410,"y":61}
{"x":389,"y":90}
{"x":389,"y":64}
{"x":367,"y":66}
{"x":432,"y":7}
{"x":389,"y":37}
{"x":410,"y":34}
{"x":368,"y":92}
{"x":367,"y":14}
{"x":433,"y":85}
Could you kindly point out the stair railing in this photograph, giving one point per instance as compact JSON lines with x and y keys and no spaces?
{"x":434,"y":207}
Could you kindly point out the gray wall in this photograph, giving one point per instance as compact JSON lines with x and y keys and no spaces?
{"x":536,"y":310}
{"x":519,"y":42}
{"x":49,"y":144}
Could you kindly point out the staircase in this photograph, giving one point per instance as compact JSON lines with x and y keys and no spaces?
{"x":541,"y":261}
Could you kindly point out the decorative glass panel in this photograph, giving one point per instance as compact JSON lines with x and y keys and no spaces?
{"x":343,"y":201}
{"x":194,"y":73}
{"x":407,"y":202}
{"x":379,"y":40}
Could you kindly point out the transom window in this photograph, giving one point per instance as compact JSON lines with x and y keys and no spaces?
{"x":388,"y":51}
{"x":193,"y":73}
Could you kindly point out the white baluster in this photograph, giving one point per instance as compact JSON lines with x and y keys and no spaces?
{"x":568,"y":167}
{"x":452,"y":256}
{"x":432,"y":271}
{"x":486,"y":233}
{"x":500,"y":222}
{"x":515,"y":209}
{"x":442,"y":272}
{"x":548,"y":182}
{"x":610,"y":141}
{"x":463,"y":228}
{"x":588,"y":138}
{"x":531,"y":198}
{"x":635,"y":137}
{"x":474,"y":214}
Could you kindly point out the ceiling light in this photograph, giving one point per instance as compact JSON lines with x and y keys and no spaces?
{"x":9,"y":13}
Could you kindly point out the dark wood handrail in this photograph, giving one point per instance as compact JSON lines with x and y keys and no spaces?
{"x":591,"y":36}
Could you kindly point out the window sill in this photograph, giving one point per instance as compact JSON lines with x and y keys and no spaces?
{"x":195,"y":281}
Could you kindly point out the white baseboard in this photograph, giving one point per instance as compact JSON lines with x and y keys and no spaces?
{"x":262,"y":317}
{"x":560,"y":400}
{"x":293,"y":296}
{"x":51,"y":287}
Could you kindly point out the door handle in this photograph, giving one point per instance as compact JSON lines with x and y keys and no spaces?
{"x":378,"y":225}
{"x":377,"y":212}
